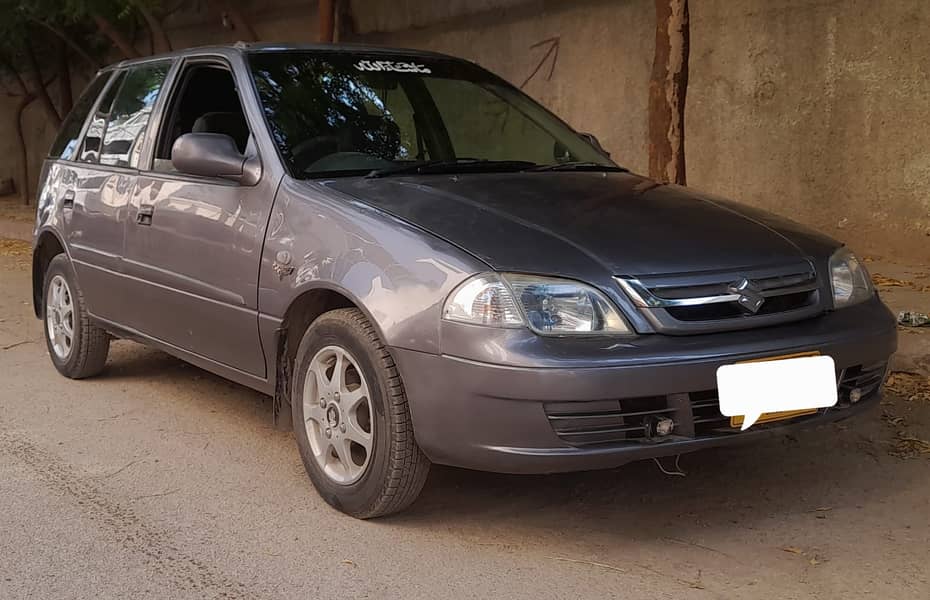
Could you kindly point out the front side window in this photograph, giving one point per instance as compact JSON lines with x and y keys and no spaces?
{"x":204,"y":101}
{"x":337,"y":114}
{"x":130,"y":113}
{"x":65,"y":145}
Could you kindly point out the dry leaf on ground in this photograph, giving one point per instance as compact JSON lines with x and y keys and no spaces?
{"x":882,"y":281}
{"x":908,"y":446}
{"x":910,"y":386}
{"x":14,"y":247}
{"x":19,"y":251}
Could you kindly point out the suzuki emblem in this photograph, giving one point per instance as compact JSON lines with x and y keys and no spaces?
{"x":750,"y":296}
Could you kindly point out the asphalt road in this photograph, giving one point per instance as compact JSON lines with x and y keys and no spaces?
{"x":159,"y":480}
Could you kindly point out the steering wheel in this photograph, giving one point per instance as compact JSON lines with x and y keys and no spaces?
{"x":310,"y":151}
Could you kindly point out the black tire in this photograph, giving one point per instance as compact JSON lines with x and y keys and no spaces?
{"x":89,"y":344}
{"x":397,"y":468}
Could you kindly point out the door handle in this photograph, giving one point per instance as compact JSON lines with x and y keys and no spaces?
{"x":144,"y":216}
{"x":67,"y":201}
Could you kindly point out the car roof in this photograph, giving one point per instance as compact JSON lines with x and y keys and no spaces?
{"x":249,"y":48}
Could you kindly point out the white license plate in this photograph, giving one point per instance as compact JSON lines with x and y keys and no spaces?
{"x":753,"y":389}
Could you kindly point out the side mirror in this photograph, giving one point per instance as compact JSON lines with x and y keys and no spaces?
{"x":591,"y":139}
{"x":214,"y":155}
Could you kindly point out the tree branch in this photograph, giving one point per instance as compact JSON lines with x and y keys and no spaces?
{"x":162,"y":43}
{"x":20,"y":82}
{"x":68,"y":40}
{"x":115,"y":36}
{"x":66,"y":94}
{"x":170,"y":11}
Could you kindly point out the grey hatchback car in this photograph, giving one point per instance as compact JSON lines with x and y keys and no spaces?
{"x":421,"y":264}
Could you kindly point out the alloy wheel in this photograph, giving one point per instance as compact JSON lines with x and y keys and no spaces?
{"x":59,"y":317}
{"x":338,"y":415}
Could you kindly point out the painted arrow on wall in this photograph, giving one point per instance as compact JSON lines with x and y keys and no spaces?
{"x":552,"y":51}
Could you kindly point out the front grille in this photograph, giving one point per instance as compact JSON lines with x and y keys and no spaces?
{"x":696,"y":414}
{"x":732,"y":310}
{"x":702,"y":302}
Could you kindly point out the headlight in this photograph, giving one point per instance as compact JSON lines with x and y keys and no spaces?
{"x":851,"y":281}
{"x":547,"y":305}
{"x":483,"y":300}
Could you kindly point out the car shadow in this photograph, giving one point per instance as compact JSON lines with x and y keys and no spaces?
{"x":841,"y":465}
{"x":836,"y":465}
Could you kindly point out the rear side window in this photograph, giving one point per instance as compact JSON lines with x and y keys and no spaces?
{"x":90,"y":149}
{"x":65,"y":145}
{"x":130,"y":113}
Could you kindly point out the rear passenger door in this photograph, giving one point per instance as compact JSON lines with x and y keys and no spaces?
{"x":193,"y":244}
{"x":102,"y":180}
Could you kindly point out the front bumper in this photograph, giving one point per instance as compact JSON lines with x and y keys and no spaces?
{"x":495,"y":400}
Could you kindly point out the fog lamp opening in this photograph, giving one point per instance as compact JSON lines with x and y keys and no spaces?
{"x":855,"y":395}
{"x":659,"y":426}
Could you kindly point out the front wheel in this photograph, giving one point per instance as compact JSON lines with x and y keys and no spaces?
{"x":351,"y":418}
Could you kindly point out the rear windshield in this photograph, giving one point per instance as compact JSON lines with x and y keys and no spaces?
{"x":347,"y":114}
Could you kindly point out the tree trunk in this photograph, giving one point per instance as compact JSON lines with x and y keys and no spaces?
{"x":327,"y":18}
{"x":161,"y":42}
{"x":115,"y":36}
{"x":23,"y":150}
{"x":345,"y":23}
{"x":66,"y":94}
{"x":39,"y":87}
{"x":667,"y":89}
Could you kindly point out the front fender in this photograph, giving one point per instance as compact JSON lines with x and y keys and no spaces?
{"x":396,"y":273}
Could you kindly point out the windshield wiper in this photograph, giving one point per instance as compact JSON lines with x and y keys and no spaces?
{"x":580,"y":166}
{"x":456,"y":165}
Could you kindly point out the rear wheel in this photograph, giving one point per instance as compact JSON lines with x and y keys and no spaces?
{"x":351,"y":418}
{"x":78,"y":348}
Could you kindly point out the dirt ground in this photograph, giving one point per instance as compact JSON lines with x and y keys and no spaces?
{"x":16,"y":219}
{"x":159,"y":480}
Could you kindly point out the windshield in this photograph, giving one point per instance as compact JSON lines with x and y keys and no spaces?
{"x":335,"y":114}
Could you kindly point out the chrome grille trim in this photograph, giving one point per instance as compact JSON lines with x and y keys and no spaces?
{"x":644,"y":298}
{"x":711,"y":301}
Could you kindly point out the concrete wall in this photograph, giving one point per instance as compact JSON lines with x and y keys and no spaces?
{"x":815,"y":109}
{"x":818,"y":110}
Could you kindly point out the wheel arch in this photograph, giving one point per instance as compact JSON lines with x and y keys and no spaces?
{"x":304,"y":309}
{"x":48,"y":245}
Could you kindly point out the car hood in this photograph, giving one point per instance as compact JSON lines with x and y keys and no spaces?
{"x":566,"y":223}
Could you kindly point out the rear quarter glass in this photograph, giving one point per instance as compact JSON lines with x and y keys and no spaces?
{"x":66,"y":143}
